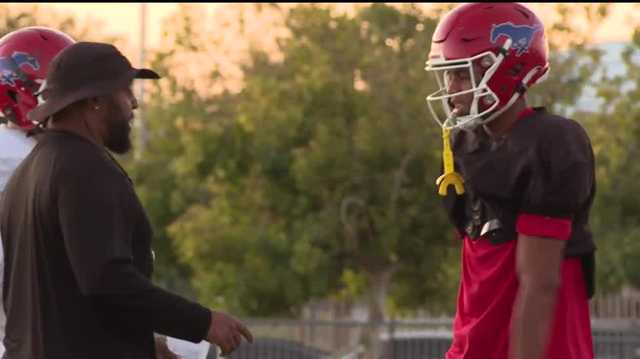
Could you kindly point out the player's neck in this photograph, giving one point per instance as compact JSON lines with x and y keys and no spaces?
{"x":501,"y":125}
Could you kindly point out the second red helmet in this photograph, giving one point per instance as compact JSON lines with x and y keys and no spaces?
{"x":25,"y":55}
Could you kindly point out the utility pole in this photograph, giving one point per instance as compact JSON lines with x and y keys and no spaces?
{"x":143,"y":135}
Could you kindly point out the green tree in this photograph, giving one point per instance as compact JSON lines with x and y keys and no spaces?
{"x":319,"y":182}
{"x":325,"y":161}
{"x":616,"y":139}
{"x":188,"y":135}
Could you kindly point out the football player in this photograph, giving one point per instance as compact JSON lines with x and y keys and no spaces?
{"x":518,"y":186}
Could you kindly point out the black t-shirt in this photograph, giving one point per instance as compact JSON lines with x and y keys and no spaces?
{"x":78,"y":261}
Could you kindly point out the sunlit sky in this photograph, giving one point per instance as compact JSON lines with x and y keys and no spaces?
{"x":124,"y":18}
{"x":220,"y":21}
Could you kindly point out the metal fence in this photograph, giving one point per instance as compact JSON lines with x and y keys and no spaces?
{"x":616,"y":338}
{"x":416,"y":339}
{"x":615,"y":306}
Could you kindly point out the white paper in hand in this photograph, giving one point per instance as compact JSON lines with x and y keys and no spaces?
{"x":188,"y":350}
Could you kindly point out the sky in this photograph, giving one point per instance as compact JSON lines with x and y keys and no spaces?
{"x":124,"y":18}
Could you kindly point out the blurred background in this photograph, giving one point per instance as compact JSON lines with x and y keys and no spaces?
{"x":287,"y":162}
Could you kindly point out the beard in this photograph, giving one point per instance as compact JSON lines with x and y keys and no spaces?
{"x":118,"y":139}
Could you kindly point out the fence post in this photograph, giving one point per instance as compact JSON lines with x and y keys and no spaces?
{"x":392,"y":340}
{"x":312,"y":326}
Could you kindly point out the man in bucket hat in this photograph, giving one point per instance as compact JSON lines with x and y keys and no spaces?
{"x":76,"y":238}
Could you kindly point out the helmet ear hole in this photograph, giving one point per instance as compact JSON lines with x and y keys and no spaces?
{"x":515,"y":70}
{"x":488,"y":100}
{"x":486,"y":62}
{"x":13,"y":95}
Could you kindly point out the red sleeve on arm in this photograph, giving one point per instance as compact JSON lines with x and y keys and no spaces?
{"x":542,"y":226}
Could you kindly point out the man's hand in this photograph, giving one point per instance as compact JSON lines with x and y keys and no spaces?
{"x":162,"y":350}
{"x":227,"y":332}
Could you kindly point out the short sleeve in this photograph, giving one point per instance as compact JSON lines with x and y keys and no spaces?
{"x":561,"y":184}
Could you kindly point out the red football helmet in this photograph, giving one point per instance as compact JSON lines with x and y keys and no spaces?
{"x":25,"y":55}
{"x":504,"y":42}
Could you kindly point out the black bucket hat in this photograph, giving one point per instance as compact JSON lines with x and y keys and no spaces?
{"x":84,"y":70}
